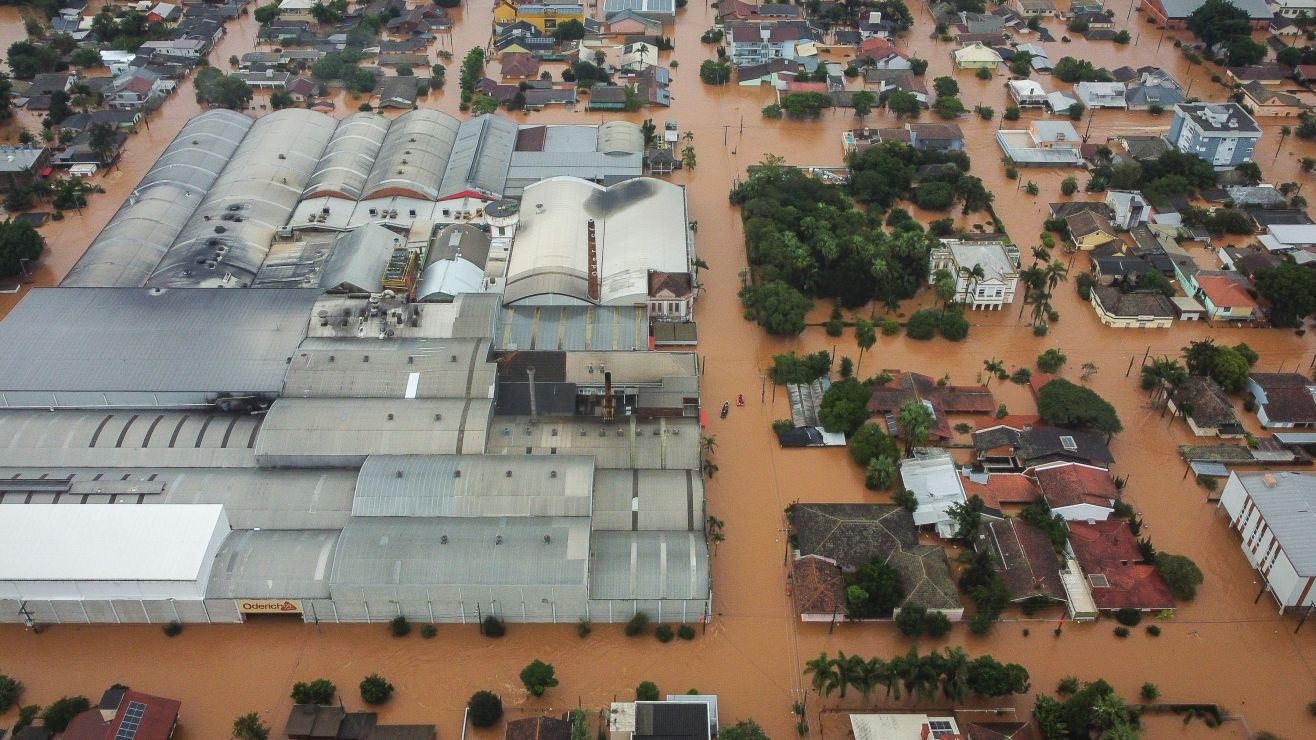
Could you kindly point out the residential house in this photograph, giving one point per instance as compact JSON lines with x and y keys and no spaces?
{"x":1139,"y":309}
{"x":396,"y":92}
{"x":21,"y":165}
{"x":1248,"y":261}
{"x":1203,"y":404}
{"x":638,"y":56}
{"x":46,"y":84}
{"x":1025,"y":558}
{"x":267,"y":79}
{"x":1293,"y":8}
{"x":1077,"y":492}
{"x":942,"y":400}
{"x":755,"y":43}
{"x":164,"y":13}
{"x":1225,"y":298}
{"x":775,"y":72}
{"x":630,"y":23}
{"x":904,"y":725}
{"x":671,"y":296}
{"x":1042,"y":144}
{"x":296,"y":10}
{"x":886,"y":81}
{"x":1266,"y":74}
{"x":1090,"y":229}
{"x":1152,"y":87}
{"x":659,"y":10}
{"x":1173,"y":14}
{"x":124,"y":713}
{"x":1021,"y":446}
{"x":986,"y":272}
{"x":819,"y":589}
{"x":1119,"y":269}
{"x":1109,"y":558}
{"x":1272,"y":513}
{"x":1220,"y":133}
{"x":976,"y":56}
{"x":1059,"y":102}
{"x":1281,"y":27}
{"x":544,"y":17}
{"x":301,"y":89}
{"x":942,"y":137}
{"x":131,"y":92}
{"x":1027,"y":93}
{"x":538,"y":99}
{"x":1034,"y":8}
{"x":931,"y":475}
{"x":1284,"y":400}
{"x":1038,"y":58}
{"x":852,"y":535}
{"x":738,"y":10}
{"x":685,"y":717}
{"x":518,"y":66}
{"x":1129,"y":208}
{"x":1272,"y":103}
{"x":1101,"y":94}
{"x":653,"y":85}
{"x":1283,"y":238}
{"x":606,"y":97}
{"x":188,"y":48}
{"x":883,"y":54}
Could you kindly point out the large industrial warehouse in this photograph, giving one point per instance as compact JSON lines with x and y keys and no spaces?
{"x":317,"y":441}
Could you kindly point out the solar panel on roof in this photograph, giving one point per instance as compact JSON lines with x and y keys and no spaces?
{"x":132,"y":719}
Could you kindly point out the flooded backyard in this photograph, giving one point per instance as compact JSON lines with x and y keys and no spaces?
{"x":1222,"y":648}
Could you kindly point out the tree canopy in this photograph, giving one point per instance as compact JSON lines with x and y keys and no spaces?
{"x":875,"y":591}
{"x":319,"y":691}
{"x":538,"y":677}
{"x":250,"y":727}
{"x":844,"y":406}
{"x":1180,"y":574}
{"x":57,"y":716}
{"x":776,"y":306}
{"x":218,"y":90}
{"x":1217,"y":21}
{"x":745,"y":729}
{"x":485,"y":708}
{"x":1228,"y":366}
{"x":1062,"y":403}
{"x":871,"y":442}
{"x":19,"y":241}
{"x":793,"y":368}
{"x":1291,"y":290}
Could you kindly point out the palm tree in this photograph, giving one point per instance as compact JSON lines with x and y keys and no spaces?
{"x":1056,"y":273}
{"x":943,"y":282}
{"x":849,"y":670}
{"x":882,"y":673}
{"x":915,"y":421}
{"x":824,"y":678}
{"x":709,"y":444}
{"x":955,"y":674}
{"x":866,"y":336}
{"x":973,"y":276}
{"x":1031,"y":278}
{"x":689,"y":136}
{"x":1040,"y":300}
{"x":994,"y":368}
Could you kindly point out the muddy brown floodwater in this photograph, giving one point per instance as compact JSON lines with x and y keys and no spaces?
{"x":1220,"y":648}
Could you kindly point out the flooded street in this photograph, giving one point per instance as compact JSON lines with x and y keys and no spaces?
{"x":1221,"y":648}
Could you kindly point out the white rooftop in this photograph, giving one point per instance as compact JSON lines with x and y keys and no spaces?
{"x":106,"y":542}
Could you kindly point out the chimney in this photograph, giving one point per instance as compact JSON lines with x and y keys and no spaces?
{"x":608,"y":411}
{"x":534,"y":407}
{"x":592,"y":281}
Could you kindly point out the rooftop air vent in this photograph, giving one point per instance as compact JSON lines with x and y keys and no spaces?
{"x":456,"y":473}
{"x":1098,"y":580}
{"x":509,"y":474}
{"x":498,"y":540}
{"x":552,"y":474}
{"x":443,"y":540}
{"x":398,"y":474}
{"x":548,"y":538}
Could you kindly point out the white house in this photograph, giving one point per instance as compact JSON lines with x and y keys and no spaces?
{"x":993,"y":285}
{"x":893,"y":726}
{"x":1101,"y":94}
{"x":1272,"y":512}
{"x":1077,"y":492}
{"x":1129,"y":207}
{"x":1027,"y":93}
{"x":975,"y":56}
{"x":1291,"y":8}
{"x":931,"y":475}
{"x":296,"y":10}
{"x":1284,"y":400}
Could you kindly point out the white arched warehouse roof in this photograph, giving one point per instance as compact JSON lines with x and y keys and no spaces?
{"x":621,"y":137}
{"x":640,"y":225}
{"x":413,"y":156}
{"x":130,"y":246}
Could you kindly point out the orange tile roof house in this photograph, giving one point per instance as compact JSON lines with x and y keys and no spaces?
{"x":1108,"y":554}
{"x":1224,"y":298}
{"x":1078,"y":492}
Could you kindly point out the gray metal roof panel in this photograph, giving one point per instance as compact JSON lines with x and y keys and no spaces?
{"x":108,"y":339}
{"x":649,"y":565}
{"x":413,"y":155}
{"x":359,"y":258}
{"x":463,"y":551}
{"x":349,"y":157}
{"x":287,"y":564}
{"x":474,"y":486}
{"x":1289,"y":508}
{"x":481,"y":155}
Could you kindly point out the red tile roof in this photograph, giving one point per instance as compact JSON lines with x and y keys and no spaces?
{"x":797,"y":87}
{"x":818,"y":585}
{"x":1132,"y":587}
{"x":156,"y":723}
{"x":877,"y":48}
{"x":1072,"y":484}
{"x":1225,"y":293}
{"x":1001,"y":489}
{"x":87,"y":726}
{"x":1103,"y":544}
{"x":1018,"y":422}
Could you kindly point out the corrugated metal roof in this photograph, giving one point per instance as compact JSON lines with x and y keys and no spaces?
{"x":108,"y":339}
{"x":1289,"y":508}
{"x":474,"y":486}
{"x":349,"y":157}
{"x":328,"y":432}
{"x":665,"y":443}
{"x":651,"y":500}
{"x":481,"y":154}
{"x":573,"y":328}
{"x":649,"y":565}
{"x":359,"y":258}
{"x":463,"y":551}
{"x":141,"y":231}
{"x":273,"y":564}
{"x":369,"y":368}
{"x":414,"y":154}
{"x":107,"y":542}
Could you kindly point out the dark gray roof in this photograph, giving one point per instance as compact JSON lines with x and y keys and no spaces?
{"x":149,"y":340}
{"x":1043,"y":444}
{"x":671,"y":720}
{"x":1219,"y":117}
{"x":358,"y":260}
{"x":852,"y":534}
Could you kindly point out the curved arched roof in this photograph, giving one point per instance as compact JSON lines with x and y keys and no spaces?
{"x":413,"y":156}
{"x":481,"y":156}
{"x":230,"y":232}
{"x":347,"y":161}
{"x":621,"y":137}
{"x":138,"y":235}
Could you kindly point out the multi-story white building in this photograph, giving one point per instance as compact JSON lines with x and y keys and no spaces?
{"x":991,"y":286}
{"x":1272,"y":512}
{"x":755,"y":43}
{"x":1220,"y":133}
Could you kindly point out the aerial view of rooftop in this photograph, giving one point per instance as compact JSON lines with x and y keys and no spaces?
{"x":650,"y":370}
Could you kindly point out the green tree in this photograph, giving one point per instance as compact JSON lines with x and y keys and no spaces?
{"x":10,"y":690}
{"x":485,"y":708}
{"x":280,"y":99}
{"x":85,"y":57}
{"x":266,"y":13}
{"x":804,"y":104}
{"x":218,"y":90}
{"x":1180,"y":574}
{"x":948,"y":108}
{"x":946,"y":87}
{"x":988,"y":677}
{"x":967,"y":518}
{"x":915,"y":422}
{"x":1062,"y":403}
{"x":903,"y":104}
{"x":375,"y":689}
{"x":250,"y":727}
{"x":1217,"y":21}
{"x":27,"y":60}
{"x":844,"y":406}
{"x":863,"y":102}
{"x":320,"y":691}
{"x":922,"y":324}
{"x":538,"y":677}
{"x":713,"y":72}
{"x":865,"y":335}
{"x":934,"y":196}
{"x":776,"y":306}
{"x":1069,"y":185}
{"x":870,"y":442}
{"x":19,"y":242}
{"x":822,"y":674}
{"x":746,"y":729}
{"x":646,"y":691}
{"x":103,"y":140}
{"x":569,"y":30}
{"x":882,"y":591}
{"x":57,"y":716}
{"x":881,"y":472}
{"x":1291,"y":291}
{"x":483,"y":104}
{"x":1051,"y":360}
